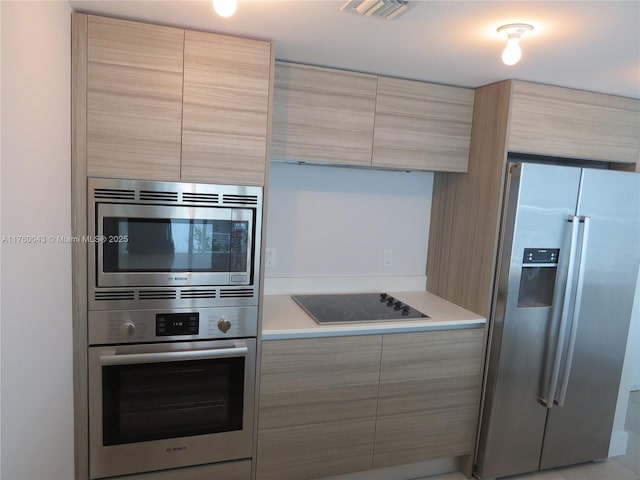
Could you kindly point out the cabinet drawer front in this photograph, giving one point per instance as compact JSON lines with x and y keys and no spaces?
{"x":314,"y":451}
{"x":134,"y":99}
{"x":559,"y":121}
{"x":318,"y":401}
{"x":294,"y":365}
{"x":323,"y":114}
{"x":421,"y":125}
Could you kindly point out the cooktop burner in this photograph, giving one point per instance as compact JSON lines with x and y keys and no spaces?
{"x":356,"y":307}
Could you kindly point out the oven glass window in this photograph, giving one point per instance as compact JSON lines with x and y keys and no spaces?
{"x":174,"y":245}
{"x":154,"y":401}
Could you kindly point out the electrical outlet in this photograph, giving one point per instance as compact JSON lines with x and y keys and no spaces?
{"x":270,"y":260}
{"x":387,"y":257}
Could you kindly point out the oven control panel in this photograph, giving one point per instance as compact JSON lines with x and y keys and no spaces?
{"x":138,"y":326}
{"x":168,"y":324}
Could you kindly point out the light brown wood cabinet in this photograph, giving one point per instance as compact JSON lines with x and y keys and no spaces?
{"x":226,"y":109}
{"x":321,"y":114}
{"x":422,"y":126}
{"x":168,"y":104}
{"x":134,"y":99}
{"x":428,"y":397}
{"x":335,"y":116}
{"x":317,"y":407}
{"x":332,"y":406}
{"x":515,"y":116}
{"x":563,"y":122}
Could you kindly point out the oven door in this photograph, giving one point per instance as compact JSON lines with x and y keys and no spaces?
{"x":160,"y":245}
{"x":159,"y":406}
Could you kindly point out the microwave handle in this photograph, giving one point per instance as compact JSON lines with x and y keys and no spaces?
{"x":138,"y":358}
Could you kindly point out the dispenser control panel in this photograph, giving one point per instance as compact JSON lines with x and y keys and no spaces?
{"x":541,"y":255}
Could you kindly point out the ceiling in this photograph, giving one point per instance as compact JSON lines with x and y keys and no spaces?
{"x":590,"y":45}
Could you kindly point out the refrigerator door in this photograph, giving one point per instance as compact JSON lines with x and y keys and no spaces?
{"x":580,"y":430}
{"x":527,"y":305}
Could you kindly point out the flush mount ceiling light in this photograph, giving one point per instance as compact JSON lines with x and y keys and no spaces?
{"x":514,"y":31}
{"x":224,"y":8}
{"x":388,"y":9}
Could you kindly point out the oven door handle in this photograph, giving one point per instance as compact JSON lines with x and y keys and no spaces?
{"x":137,"y":358}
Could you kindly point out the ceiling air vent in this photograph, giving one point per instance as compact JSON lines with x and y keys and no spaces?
{"x":388,"y":9}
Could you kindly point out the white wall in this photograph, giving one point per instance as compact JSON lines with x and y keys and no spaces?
{"x":629,"y":381}
{"x":37,"y":399}
{"x":336,"y":222}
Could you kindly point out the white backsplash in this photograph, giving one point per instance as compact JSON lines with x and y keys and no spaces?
{"x":330,"y":226}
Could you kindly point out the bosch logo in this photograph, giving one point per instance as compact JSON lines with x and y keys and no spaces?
{"x":177,"y":279}
{"x":175,"y":449}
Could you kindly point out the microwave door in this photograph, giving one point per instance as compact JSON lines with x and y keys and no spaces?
{"x":156,"y":245}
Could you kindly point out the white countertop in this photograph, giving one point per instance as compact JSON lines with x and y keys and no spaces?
{"x":283,"y":318}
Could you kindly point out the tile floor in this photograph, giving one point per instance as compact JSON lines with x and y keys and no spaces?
{"x":626,"y":467}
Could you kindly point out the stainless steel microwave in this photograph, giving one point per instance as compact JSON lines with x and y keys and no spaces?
{"x":168,"y":244}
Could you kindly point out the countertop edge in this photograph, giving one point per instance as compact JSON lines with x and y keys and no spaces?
{"x":284,"y":319}
{"x":358,"y":330}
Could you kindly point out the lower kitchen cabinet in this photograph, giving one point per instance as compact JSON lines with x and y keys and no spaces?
{"x":330,"y":406}
{"x":428,"y":396}
{"x":317,"y":407}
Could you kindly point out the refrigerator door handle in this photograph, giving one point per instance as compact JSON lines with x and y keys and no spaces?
{"x":548,"y":399}
{"x":576,"y":312}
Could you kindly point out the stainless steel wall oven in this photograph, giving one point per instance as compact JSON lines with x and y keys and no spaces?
{"x":156,"y":406}
{"x":172,"y":324}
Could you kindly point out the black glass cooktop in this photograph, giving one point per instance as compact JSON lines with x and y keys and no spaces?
{"x":356,"y":307}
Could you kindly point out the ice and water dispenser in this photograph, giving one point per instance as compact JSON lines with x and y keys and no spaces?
{"x":538,"y":277}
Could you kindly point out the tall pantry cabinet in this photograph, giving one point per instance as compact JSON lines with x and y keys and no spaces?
{"x":152,"y":102}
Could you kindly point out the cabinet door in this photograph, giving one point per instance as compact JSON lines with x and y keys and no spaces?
{"x":429,"y":394}
{"x":563,"y":122}
{"x":422,"y":126}
{"x":226,"y":109}
{"x":322,"y":114}
{"x":134,"y":100}
{"x":317,"y":407}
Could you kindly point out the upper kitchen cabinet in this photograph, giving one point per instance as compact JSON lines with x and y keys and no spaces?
{"x":557,"y":121}
{"x":422,"y":126}
{"x":134,"y":99}
{"x":322,"y":114}
{"x":226,"y":109}
{"x":163,"y":103}
{"x":524,"y":118}
{"x":350,"y":118}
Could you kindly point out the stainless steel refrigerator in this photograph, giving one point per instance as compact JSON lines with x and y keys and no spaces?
{"x":568,"y":261}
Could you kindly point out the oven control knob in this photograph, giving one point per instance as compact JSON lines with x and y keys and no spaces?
{"x":127,"y":329}
{"x":224,"y":324}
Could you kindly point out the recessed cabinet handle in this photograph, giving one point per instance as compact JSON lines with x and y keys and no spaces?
{"x":138,"y":358}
